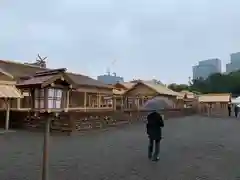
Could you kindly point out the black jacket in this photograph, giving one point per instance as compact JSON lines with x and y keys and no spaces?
{"x":236,"y":108}
{"x":154,"y":126}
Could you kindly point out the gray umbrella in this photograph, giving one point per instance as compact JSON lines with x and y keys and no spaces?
{"x":157,"y":103}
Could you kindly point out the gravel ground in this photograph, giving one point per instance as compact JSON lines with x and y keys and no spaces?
{"x":193,"y":148}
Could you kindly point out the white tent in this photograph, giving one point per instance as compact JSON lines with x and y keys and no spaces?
{"x":236,"y":100}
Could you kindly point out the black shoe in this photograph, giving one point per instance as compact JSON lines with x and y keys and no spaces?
{"x":156,"y":159}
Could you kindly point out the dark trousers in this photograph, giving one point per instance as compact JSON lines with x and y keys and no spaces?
{"x":153,"y":142}
{"x":229,"y":113}
{"x":236,"y":114}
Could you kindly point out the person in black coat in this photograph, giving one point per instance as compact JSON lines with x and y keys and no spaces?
{"x":236,"y":109}
{"x":154,"y":131}
{"x":229,"y":110}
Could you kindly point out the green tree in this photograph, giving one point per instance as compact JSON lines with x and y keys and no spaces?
{"x":218,"y":83}
{"x":178,"y":87}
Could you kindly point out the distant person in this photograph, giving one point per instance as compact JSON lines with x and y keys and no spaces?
{"x":154,"y":131}
{"x":236,"y":109}
{"x":229,"y":110}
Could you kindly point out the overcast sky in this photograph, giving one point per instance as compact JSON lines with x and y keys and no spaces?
{"x":159,"y":39}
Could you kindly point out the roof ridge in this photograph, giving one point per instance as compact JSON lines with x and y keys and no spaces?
{"x":153,"y":86}
{"x":38,"y":68}
{"x":23,"y":64}
{"x":216,"y":94}
{"x":78,"y":74}
{"x":35,"y":66}
{"x":162,"y":85}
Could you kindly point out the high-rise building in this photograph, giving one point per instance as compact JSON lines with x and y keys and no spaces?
{"x":206,"y":68}
{"x":234,"y":64}
{"x":110,"y":79}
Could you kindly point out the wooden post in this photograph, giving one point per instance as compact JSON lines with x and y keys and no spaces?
{"x":126,"y":103}
{"x":45,"y":163}
{"x":18,"y":103}
{"x":85,"y":101}
{"x":98,"y":100}
{"x":67,"y":100}
{"x":138,"y":104}
{"x":122,"y":103}
{"x":46,"y":105}
{"x":32,"y":92}
{"x":114,"y":103}
{"x":7,"y":102}
{"x":89,"y":100}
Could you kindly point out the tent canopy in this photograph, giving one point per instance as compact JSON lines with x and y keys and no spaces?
{"x":236,"y":100}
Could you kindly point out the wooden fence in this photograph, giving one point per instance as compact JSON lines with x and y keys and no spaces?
{"x":75,"y":121}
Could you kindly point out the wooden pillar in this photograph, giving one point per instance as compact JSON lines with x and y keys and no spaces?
{"x":29,"y":99}
{"x":114,"y":103}
{"x":122,"y":103}
{"x":126,"y":103}
{"x":46,"y":105}
{"x":7,"y":102}
{"x":32,"y":93}
{"x":138,"y":104}
{"x":18,"y":103}
{"x":45,"y":157}
{"x":98,"y":100}
{"x":89,"y":100}
{"x":67,"y":99}
{"x":63,"y":99}
{"x":85,"y":100}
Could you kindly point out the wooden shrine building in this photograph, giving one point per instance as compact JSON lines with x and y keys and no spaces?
{"x":29,"y":88}
{"x":88,"y":95}
{"x":140,"y":92}
{"x":187,"y":99}
{"x":8,"y":95}
{"x":214,"y":104}
{"x":118,"y":90}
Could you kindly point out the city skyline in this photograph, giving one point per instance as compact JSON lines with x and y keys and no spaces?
{"x":204,"y":68}
{"x":207,"y":67}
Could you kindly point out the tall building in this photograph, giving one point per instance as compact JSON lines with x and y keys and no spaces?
{"x":110,"y":79}
{"x":234,"y":64}
{"x":206,"y":68}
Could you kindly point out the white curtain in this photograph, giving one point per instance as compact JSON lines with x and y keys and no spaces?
{"x":39,"y":98}
{"x":54,"y":98}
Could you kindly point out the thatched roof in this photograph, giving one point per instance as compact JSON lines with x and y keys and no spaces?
{"x":124,"y":85}
{"x":212,"y":97}
{"x":9,"y":91}
{"x":161,"y":89}
{"x":18,"y":70}
{"x":186,"y":95}
{"x":128,"y":85}
{"x":158,"y":88}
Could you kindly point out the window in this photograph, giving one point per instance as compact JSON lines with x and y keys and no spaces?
{"x":39,"y":98}
{"x":54,"y":98}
